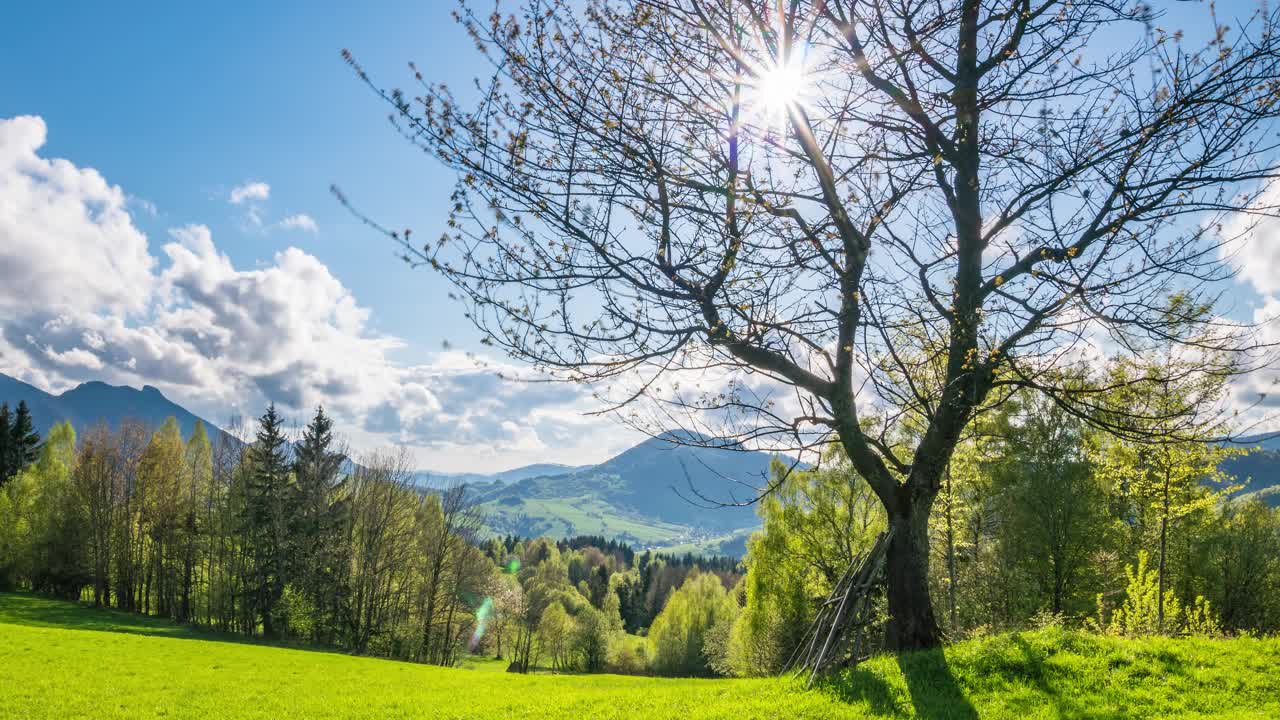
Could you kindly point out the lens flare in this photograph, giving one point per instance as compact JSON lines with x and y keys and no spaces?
{"x":483,"y":614}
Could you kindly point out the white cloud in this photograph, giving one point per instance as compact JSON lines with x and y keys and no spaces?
{"x":67,"y":241}
{"x":84,"y":298}
{"x":255,"y":190}
{"x":1251,"y":243}
{"x":75,"y":357}
{"x":300,"y":221}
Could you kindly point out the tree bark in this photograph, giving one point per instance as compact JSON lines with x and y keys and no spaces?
{"x":912,"y":625}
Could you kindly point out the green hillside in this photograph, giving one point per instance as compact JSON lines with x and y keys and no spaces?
{"x":659,"y":493}
{"x":59,"y":660}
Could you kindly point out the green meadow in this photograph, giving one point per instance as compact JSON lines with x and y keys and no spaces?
{"x":62,"y":660}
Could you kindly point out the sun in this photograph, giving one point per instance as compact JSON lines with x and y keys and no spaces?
{"x":781,"y":86}
{"x":778,"y":87}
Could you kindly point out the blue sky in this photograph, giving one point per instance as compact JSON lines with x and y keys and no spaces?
{"x":167,"y":168}
{"x":186,"y":107}
{"x":179,"y":102}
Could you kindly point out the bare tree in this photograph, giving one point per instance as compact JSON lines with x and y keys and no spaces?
{"x":98,"y":483}
{"x":867,"y":218}
{"x":380,"y":535}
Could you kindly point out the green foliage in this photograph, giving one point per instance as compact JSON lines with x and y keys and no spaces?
{"x":19,"y":442}
{"x":555,"y":630}
{"x":814,"y":524}
{"x":1051,"y":502}
{"x":1140,"y":615}
{"x":57,"y":529}
{"x":1236,"y":563}
{"x":269,"y":507}
{"x":678,"y":637}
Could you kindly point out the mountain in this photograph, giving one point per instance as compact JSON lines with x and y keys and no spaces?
{"x":1259,"y":470}
{"x":659,"y":493}
{"x":433,"y":479}
{"x":90,"y":403}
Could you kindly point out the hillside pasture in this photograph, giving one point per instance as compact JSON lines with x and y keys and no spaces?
{"x":62,"y":660}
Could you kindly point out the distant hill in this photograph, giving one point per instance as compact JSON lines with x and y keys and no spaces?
{"x":1259,"y":470}
{"x":91,"y":403}
{"x":432,"y":479}
{"x":659,"y":493}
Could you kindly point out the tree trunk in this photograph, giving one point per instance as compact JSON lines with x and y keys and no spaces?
{"x":951,"y":554}
{"x":1164,"y":539}
{"x":912,"y":625}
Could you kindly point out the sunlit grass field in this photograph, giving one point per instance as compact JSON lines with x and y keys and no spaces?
{"x":59,"y":660}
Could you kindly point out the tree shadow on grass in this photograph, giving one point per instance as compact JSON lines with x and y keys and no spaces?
{"x":37,"y":611}
{"x":935,"y":694}
{"x":860,"y":685}
{"x":932,"y":689}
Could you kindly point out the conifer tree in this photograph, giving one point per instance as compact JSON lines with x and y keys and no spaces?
{"x":24,"y":440}
{"x":6,"y":473}
{"x":267,"y":510}
{"x":318,"y":524}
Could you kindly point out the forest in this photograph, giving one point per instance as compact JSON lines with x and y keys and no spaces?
{"x":1043,"y":521}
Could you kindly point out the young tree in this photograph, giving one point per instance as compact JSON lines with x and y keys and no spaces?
{"x":449,"y":522}
{"x":198,"y":476}
{"x":162,"y":482}
{"x":98,"y":479}
{"x":555,"y":636}
{"x":24,"y":441}
{"x":1241,"y":566}
{"x":19,"y":442}
{"x":58,"y":531}
{"x":679,"y":633}
{"x":822,"y":194}
{"x":814,"y":525}
{"x":382,"y":535}
{"x":1168,"y":480}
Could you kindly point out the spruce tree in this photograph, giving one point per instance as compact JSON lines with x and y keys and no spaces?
{"x":317,"y":524}
{"x":5,"y":472}
{"x":268,"y":506}
{"x":24,"y":441}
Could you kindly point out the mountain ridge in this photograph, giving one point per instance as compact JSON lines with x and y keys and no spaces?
{"x":95,"y":401}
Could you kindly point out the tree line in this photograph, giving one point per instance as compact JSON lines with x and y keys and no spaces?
{"x":283,"y":538}
{"x":260,"y":536}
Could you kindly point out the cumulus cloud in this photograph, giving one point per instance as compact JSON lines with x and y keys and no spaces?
{"x":67,"y":242}
{"x":255,"y":190}
{"x":1251,"y":243}
{"x":85,"y":297}
{"x":300,"y":221}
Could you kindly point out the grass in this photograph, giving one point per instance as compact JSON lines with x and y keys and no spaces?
{"x":59,"y":660}
{"x":732,"y":544}
{"x":585,"y":515}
